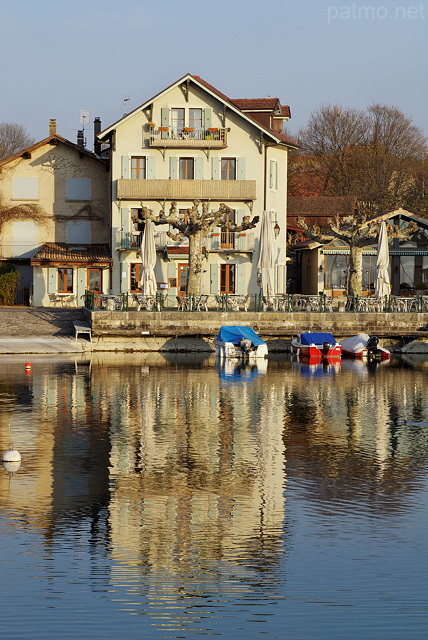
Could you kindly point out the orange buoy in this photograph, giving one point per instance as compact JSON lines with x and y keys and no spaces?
{"x":27,"y":366}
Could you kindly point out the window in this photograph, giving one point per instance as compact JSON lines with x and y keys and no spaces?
{"x":273,"y":174}
{"x":228,"y":168}
{"x":177,"y":121}
{"x":78,"y":189}
{"x":136,"y":273}
{"x":94,"y":280}
{"x":183,"y":273}
{"x":138,"y":168}
{"x":25,"y":188}
{"x":227,"y":238}
{"x":186,"y":168}
{"x":183,"y":215}
{"x":65,"y":280}
{"x":78,"y":232}
{"x":227,"y":278}
{"x":195,"y":118}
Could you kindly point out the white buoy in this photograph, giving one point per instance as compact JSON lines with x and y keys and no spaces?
{"x":11,"y":467}
{"x":11,"y":455}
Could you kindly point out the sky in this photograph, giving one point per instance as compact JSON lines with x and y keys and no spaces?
{"x":59,"y":57}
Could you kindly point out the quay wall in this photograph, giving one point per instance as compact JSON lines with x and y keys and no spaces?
{"x":195,"y":331}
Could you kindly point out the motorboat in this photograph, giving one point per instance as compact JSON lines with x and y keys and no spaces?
{"x":239,"y":343}
{"x":364,"y":346}
{"x":316,"y":345}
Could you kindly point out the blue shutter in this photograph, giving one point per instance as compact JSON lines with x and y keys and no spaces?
{"x":150,"y":167}
{"x":164,"y":121}
{"x":215,"y":168}
{"x":125,"y":220}
{"x":78,"y":232}
{"x":199,"y":168}
{"x":173,"y":168}
{"x":78,"y":189}
{"x":171,"y":271}
{"x":207,"y":117}
{"x":240,"y":166}
{"x":125,"y":167}
{"x":214,"y":279}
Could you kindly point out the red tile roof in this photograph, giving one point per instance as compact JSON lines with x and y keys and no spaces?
{"x":256,"y":104}
{"x":60,"y":252}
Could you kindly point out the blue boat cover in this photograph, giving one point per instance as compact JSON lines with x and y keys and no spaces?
{"x":316,"y":338}
{"x":235,"y":334}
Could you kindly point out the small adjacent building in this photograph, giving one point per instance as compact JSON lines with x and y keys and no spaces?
{"x":324,"y":267}
{"x":191,"y":142}
{"x":55,"y":223}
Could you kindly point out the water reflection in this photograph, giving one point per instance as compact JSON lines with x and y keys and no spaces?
{"x":176,"y":473}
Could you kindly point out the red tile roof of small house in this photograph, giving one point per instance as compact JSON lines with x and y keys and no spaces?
{"x":63,"y":253}
{"x":318,"y":210}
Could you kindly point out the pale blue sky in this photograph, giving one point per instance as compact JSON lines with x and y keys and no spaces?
{"x":61,"y":56}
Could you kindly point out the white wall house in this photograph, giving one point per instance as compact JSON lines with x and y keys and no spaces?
{"x":192,"y":142}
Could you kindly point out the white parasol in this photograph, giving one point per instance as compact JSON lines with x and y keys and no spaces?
{"x":383,"y":286}
{"x":148,"y":260}
{"x":265,"y":263}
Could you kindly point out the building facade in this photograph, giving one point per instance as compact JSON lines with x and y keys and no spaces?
{"x":55,"y":227}
{"x":190,"y":142}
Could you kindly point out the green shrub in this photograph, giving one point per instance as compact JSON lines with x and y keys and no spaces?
{"x":9,"y":278}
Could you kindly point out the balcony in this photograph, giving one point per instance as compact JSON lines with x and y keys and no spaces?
{"x":220,"y":190}
{"x":182,"y":138}
{"x":221,"y":241}
{"x":18,"y":250}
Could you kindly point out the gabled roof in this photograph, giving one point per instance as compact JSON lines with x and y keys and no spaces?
{"x":257,"y":104}
{"x":322,"y":206}
{"x":52,"y":140}
{"x":60,"y":252}
{"x":203,"y":84}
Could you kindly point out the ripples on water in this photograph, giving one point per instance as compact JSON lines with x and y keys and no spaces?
{"x":172,"y":499}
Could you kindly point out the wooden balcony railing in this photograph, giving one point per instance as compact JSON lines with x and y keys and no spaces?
{"x":219,"y":190}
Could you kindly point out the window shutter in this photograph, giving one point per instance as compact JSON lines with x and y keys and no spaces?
{"x":271,"y":163}
{"x":171,"y":272}
{"x":199,"y":168}
{"x":78,"y":189}
{"x":124,"y":277}
{"x":215,"y":168}
{"x":52,"y":280}
{"x":25,"y":188}
{"x":173,"y":166}
{"x":207,"y":117}
{"x":80,"y":286}
{"x":240,"y":213}
{"x":240,"y":165}
{"x":125,"y":167}
{"x":276,"y":175}
{"x":214,"y":279}
{"x":125,"y":220}
{"x":241,"y":288}
{"x":164,"y":121}
{"x":78,"y":232}
{"x":150,"y":167}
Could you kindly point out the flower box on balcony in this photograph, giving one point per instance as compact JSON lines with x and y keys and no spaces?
{"x":189,"y":129}
{"x":214,"y":235}
{"x":242,"y":235}
{"x":213,"y":129}
{"x":163,"y":128}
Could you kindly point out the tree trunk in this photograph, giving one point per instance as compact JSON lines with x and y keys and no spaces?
{"x":195,"y":264}
{"x":355,"y":271}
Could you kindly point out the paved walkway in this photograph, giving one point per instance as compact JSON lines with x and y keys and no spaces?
{"x":40,"y":330}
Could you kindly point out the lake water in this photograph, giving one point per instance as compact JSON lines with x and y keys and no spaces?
{"x":168,"y":498}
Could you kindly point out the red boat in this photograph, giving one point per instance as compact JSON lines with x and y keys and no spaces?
{"x":316,"y":345}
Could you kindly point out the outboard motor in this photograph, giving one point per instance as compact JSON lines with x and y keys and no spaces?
{"x":246,"y":346}
{"x":325,"y":348}
{"x":372,"y":344}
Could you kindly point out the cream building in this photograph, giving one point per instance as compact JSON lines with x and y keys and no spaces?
{"x":55,"y":229}
{"x":191,"y":142}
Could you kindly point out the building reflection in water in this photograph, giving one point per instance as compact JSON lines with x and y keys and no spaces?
{"x":180,"y":469}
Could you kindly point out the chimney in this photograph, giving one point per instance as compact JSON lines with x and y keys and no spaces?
{"x":52,"y":127}
{"x":97,"y":131}
{"x":80,"y":138}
